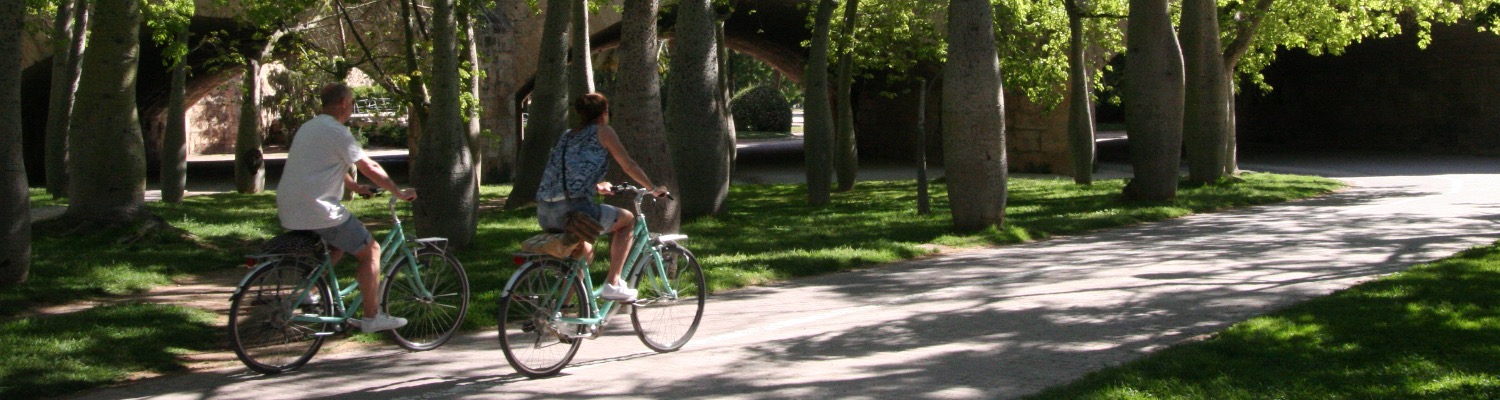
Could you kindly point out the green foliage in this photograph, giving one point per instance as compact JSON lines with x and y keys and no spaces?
{"x":1424,"y":333}
{"x":1328,"y":26}
{"x":761,"y":108}
{"x":166,"y":18}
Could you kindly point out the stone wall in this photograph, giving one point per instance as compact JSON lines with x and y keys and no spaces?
{"x":1036,"y":138}
{"x":1384,"y":95}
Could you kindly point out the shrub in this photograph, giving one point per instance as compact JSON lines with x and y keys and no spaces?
{"x":761,"y":108}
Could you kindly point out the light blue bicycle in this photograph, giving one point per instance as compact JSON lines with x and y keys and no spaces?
{"x":292,"y":300}
{"x":550,"y":305}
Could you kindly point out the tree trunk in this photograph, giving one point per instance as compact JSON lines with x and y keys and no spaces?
{"x":1206,"y":113}
{"x":67,"y":60}
{"x":417,"y":96}
{"x":15,"y":202}
{"x":249,"y":157}
{"x":444,"y":176}
{"x":497,"y":35}
{"x":174,"y":139}
{"x":973,"y":119}
{"x":474,"y":131}
{"x":817,"y":113}
{"x":702,"y":152}
{"x":107,"y":169}
{"x":846,"y":149}
{"x":1081,"y":143}
{"x":924,"y":199}
{"x":581,"y":60}
{"x":637,"y":113}
{"x":548,"y":114}
{"x":1153,"y":101}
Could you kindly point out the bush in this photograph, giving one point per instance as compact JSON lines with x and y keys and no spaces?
{"x":761,"y":108}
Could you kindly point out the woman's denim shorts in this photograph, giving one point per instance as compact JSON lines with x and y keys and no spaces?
{"x":553,"y":215}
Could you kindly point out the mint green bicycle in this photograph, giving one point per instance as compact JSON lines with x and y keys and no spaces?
{"x":550,"y":304}
{"x":291,"y":300}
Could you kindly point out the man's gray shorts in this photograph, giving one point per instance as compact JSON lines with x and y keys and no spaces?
{"x":350,"y":236}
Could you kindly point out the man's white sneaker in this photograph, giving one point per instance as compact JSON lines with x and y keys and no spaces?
{"x":381,"y":322}
{"x":617,"y":293}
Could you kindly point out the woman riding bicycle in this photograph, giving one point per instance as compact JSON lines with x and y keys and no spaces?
{"x":575,"y":173}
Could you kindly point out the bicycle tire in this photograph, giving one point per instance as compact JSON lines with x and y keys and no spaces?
{"x":664,"y":321}
{"x":261,"y":331}
{"x":434,"y":313}
{"x":533,"y":344}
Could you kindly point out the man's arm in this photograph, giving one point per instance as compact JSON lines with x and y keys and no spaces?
{"x":372,"y":170}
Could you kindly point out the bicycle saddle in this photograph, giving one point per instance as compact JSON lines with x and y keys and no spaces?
{"x":296,"y":243}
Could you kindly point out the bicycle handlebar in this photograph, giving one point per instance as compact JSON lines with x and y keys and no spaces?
{"x":640,"y":192}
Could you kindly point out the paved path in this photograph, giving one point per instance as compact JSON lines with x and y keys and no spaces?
{"x":991,"y":323}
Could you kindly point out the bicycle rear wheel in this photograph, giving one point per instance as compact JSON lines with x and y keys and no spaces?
{"x":432,"y":295}
{"x":535,"y":344}
{"x":261,"y":329}
{"x":670,"y":301}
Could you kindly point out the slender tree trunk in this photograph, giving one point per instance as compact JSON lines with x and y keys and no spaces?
{"x":637,"y":111}
{"x":846,"y":149}
{"x":444,"y":172}
{"x":725,"y":94}
{"x":417,"y":96}
{"x":924,"y":199}
{"x":1081,"y":143}
{"x":174,"y":140}
{"x":475,"y":131}
{"x":107,"y":169}
{"x":249,"y":156}
{"x":67,"y":60}
{"x":15,"y":202}
{"x":1244,"y":35}
{"x":1206,"y":116}
{"x":497,"y":35}
{"x":973,"y":118}
{"x":702,"y":151}
{"x":1153,"y":101}
{"x":817,"y":113}
{"x":548,"y":114}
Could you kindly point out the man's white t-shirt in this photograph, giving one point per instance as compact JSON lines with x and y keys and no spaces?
{"x":312,"y":182}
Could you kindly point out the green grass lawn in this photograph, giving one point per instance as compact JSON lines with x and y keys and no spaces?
{"x":769,"y":234}
{"x":747,"y":135}
{"x":1431,"y":332}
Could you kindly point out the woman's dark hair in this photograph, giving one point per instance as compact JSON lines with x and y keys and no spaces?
{"x":590,"y":108}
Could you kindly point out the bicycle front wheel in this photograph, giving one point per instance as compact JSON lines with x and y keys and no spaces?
{"x":670,"y":301}
{"x":433,"y":296}
{"x":534,"y":342}
{"x":261,"y":329}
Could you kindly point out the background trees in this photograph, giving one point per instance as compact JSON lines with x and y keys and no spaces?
{"x":1153,"y":101}
{"x":548,"y":113}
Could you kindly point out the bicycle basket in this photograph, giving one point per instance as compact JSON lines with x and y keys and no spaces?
{"x":558,"y":245}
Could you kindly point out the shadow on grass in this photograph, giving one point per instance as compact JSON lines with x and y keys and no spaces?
{"x":94,"y":347}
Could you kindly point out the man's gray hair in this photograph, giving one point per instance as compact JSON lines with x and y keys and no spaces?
{"x":335,"y":93}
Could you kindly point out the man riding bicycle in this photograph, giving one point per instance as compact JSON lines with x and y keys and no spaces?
{"x":313,"y":183}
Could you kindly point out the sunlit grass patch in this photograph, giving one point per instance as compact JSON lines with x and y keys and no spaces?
{"x":1430,"y":332}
